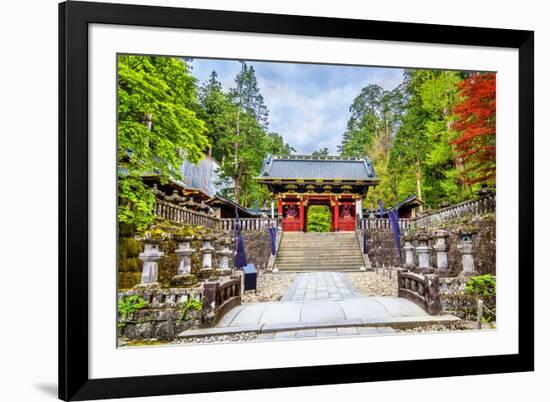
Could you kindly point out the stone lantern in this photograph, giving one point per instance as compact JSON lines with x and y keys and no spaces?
{"x":184,"y":251}
{"x":466,"y":248}
{"x":409,"y":252}
{"x":223,"y":255}
{"x":207,"y":251}
{"x":441,"y":247}
{"x":150,"y":257}
{"x":423,"y":252}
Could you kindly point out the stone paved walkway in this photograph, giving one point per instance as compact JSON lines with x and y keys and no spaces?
{"x":320,"y":304}
{"x":320,"y":286}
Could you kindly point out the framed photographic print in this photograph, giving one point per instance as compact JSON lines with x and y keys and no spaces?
{"x":259,"y":200}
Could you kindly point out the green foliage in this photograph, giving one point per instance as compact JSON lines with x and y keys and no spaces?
{"x":191,"y":304}
{"x":321,"y":152}
{"x":407,"y":134}
{"x":129,"y":304}
{"x":318,"y":218}
{"x":160,"y":90}
{"x":237,"y":123}
{"x":483,"y":286}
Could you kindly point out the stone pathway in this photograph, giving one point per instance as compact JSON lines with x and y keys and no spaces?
{"x":324,"y":333}
{"x":320,"y":286}
{"x":320,"y":304}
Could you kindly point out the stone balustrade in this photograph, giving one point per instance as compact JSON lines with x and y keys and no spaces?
{"x":483,"y":205}
{"x":247,"y":224}
{"x":422,"y":289}
{"x":382,"y":224}
{"x":220,"y":296}
{"x":182,"y":215}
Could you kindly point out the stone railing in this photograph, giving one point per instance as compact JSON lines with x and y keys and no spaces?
{"x":422,"y":289}
{"x":228,"y":225}
{"x":182,"y":215}
{"x":480,"y":206}
{"x":220,"y":296}
{"x":382,"y":224}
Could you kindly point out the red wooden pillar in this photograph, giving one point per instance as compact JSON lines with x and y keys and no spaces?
{"x":301,"y":214}
{"x":336,"y":215}
{"x":280,"y":207}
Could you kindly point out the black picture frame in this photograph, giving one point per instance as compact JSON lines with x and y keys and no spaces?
{"x":74,"y":18}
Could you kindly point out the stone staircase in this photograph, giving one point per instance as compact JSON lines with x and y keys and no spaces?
{"x":334,"y":251}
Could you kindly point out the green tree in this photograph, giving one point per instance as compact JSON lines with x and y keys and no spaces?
{"x":318,"y":218}
{"x":321,"y":152}
{"x":157,"y":129}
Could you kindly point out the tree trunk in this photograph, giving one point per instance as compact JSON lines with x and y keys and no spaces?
{"x":418,"y":182}
{"x":236,"y":160}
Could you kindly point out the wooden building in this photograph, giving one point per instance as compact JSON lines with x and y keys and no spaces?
{"x":299,"y":181}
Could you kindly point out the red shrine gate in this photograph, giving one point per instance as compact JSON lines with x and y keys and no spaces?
{"x":299,"y":181}
{"x":293,"y":210}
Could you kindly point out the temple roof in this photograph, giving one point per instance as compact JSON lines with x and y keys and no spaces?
{"x":307,"y":167}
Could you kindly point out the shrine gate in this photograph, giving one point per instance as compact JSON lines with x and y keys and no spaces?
{"x":299,"y":181}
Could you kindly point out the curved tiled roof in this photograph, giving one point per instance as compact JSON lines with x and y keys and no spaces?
{"x":314,"y":168}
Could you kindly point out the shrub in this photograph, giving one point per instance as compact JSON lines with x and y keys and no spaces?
{"x":129,"y":304}
{"x":318,"y":218}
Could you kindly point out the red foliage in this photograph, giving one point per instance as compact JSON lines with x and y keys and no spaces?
{"x":476,"y":123}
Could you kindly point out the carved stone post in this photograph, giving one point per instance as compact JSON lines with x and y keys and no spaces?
{"x":150,"y":257}
{"x":207,"y":250}
{"x":409,"y":252}
{"x":423,"y":252}
{"x":441,"y":247}
{"x":466,"y":247}
{"x":223,"y":256}
{"x":184,"y":251}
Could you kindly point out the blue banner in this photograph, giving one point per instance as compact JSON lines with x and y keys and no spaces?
{"x":394,"y":220}
{"x":273,"y":239}
{"x":240,"y":256}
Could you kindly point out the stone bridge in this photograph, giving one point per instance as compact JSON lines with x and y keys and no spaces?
{"x":320,"y":304}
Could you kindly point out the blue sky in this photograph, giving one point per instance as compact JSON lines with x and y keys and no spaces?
{"x":308,"y":103}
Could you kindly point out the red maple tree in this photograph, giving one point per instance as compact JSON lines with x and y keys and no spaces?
{"x":476,"y":124}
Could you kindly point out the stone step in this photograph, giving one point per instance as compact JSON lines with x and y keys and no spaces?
{"x":320,"y":257}
{"x":318,"y":269}
{"x":317,"y":251}
{"x":357,"y":264}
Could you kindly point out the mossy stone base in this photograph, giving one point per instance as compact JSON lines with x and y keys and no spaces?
{"x":206,"y":273}
{"x":184,"y":280}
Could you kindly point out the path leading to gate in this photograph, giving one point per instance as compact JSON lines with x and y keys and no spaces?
{"x":321,"y":304}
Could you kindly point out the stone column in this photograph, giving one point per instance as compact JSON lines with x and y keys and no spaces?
{"x":223,"y":256}
{"x":409,"y":252}
{"x":150,"y":257}
{"x":423,"y":252}
{"x":441,"y":247}
{"x":466,"y":248}
{"x":184,"y":251}
{"x":207,"y":251}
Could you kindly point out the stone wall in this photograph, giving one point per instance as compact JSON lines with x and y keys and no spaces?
{"x":160,"y":318}
{"x":455,"y":300}
{"x":382,"y":250}
{"x":484,"y":244}
{"x":258,"y":248}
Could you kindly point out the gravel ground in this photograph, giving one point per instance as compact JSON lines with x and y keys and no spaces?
{"x":459,"y":326}
{"x":373,"y":284}
{"x":271,"y":287}
{"x":240,"y":337}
